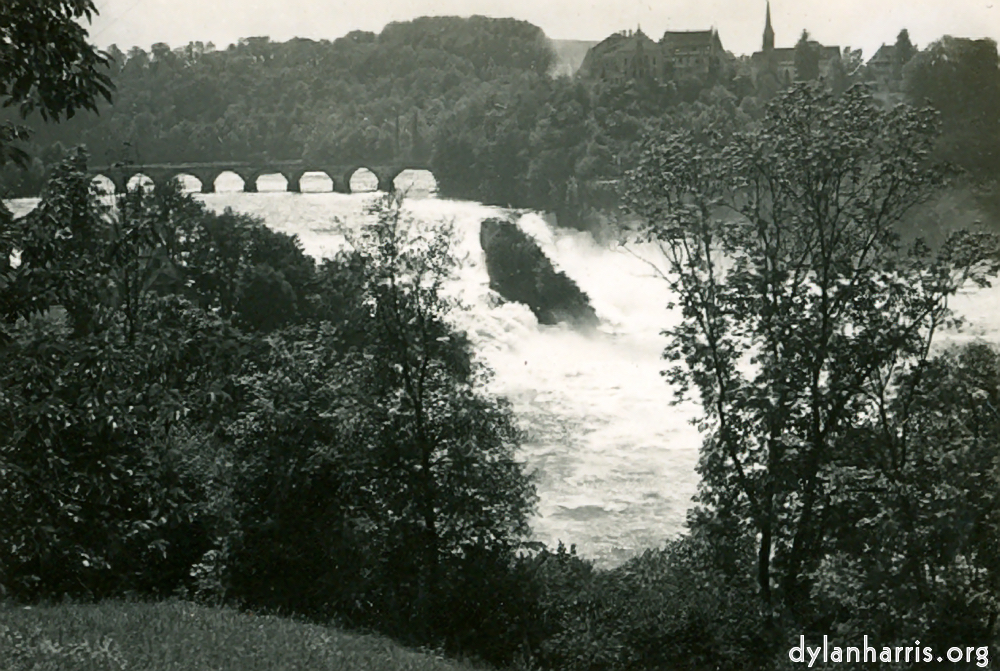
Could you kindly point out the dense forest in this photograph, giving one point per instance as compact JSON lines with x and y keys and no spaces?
{"x":191,"y":407}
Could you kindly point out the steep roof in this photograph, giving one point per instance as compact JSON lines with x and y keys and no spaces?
{"x":885,"y":54}
{"x":689,"y":39}
{"x":616,"y":44}
{"x":623,"y":42}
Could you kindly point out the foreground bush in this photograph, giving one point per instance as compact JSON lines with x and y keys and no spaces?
{"x":685,"y":606}
{"x":182,"y":409}
{"x":111,"y":386}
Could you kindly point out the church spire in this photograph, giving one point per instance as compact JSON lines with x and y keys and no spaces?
{"x":768,"y":31}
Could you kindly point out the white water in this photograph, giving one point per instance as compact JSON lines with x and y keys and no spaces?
{"x":614,"y":460}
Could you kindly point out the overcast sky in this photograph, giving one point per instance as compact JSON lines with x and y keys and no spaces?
{"x":855,"y":23}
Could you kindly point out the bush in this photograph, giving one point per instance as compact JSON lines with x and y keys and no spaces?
{"x":673,"y":608}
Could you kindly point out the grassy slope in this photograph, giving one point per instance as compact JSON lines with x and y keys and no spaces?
{"x":182,"y":636}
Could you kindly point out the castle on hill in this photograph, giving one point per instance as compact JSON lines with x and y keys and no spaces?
{"x":629,"y":55}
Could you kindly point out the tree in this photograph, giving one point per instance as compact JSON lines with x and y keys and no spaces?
{"x":46,"y":64}
{"x":902,"y":53}
{"x":449,"y":447}
{"x":63,"y":243}
{"x":377,"y":477}
{"x":806,"y":59}
{"x":914,"y":549}
{"x":961,"y":78}
{"x":799,"y":309}
{"x":110,"y":387}
{"x":845,"y":70}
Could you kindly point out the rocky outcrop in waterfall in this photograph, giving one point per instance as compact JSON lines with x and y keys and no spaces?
{"x":519,"y":271}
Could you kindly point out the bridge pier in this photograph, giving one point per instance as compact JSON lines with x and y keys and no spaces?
{"x":206,"y":177}
{"x":249,"y":181}
{"x":341,"y":184}
{"x":293,"y":180}
{"x":119,"y":182}
{"x":386,"y":181}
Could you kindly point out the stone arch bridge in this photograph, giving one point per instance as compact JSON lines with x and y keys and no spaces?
{"x":207,"y":173}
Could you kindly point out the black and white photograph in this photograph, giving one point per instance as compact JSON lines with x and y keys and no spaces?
{"x":499,"y":336}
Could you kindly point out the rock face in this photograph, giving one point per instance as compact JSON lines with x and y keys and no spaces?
{"x":520,"y":271}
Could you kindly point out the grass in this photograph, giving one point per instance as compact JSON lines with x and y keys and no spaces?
{"x":117,"y":635}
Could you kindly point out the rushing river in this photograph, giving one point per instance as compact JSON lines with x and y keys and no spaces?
{"x":614,"y":461}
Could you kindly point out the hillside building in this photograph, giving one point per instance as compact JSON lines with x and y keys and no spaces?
{"x":781,"y":61}
{"x":632,"y":55}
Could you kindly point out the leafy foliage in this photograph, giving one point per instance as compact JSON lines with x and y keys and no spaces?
{"x":111,"y":383}
{"x":472,"y":96}
{"x":961,"y":79}
{"x":349,"y":100}
{"x":801,"y":315}
{"x":47,"y":65}
{"x":376,"y":483}
{"x":186,"y":405}
{"x":914,"y":548}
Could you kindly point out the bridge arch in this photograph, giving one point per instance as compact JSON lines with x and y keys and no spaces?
{"x":190,"y":183}
{"x":417,"y":182}
{"x":360,"y":179}
{"x":317,"y":180}
{"x":228,"y":181}
{"x":108,"y":184}
{"x":140,"y":179}
{"x":241,"y":176}
{"x":272,"y":180}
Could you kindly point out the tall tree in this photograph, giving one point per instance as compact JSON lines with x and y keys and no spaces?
{"x":902,"y":53}
{"x":798,"y":306}
{"x":449,"y":448}
{"x":806,"y":58}
{"x":377,"y":474}
{"x":46,"y":64}
{"x":961,"y":78}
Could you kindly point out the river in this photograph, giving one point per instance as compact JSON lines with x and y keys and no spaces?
{"x":614,"y":461}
